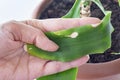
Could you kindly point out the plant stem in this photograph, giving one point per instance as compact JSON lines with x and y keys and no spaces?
{"x":85,"y":8}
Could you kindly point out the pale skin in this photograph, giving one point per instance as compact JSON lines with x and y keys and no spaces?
{"x":17,"y":64}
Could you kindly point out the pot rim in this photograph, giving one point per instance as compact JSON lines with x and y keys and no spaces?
{"x":40,"y":8}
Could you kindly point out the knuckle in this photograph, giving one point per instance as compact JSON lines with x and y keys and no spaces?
{"x":36,"y":32}
{"x":57,"y":66}
{"x":39,"y":33}
{"x":52,"y":67}
{"x":27,"y":22}
{"x":31,"y":22}
{"x":9,"y":25}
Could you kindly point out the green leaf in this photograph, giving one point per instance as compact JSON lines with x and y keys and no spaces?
{"x":99,"y":4}
{"x":89,"y":40}
{"x":119,"y":2}
{"x":70,"y":74}
{"x":74,"y":11}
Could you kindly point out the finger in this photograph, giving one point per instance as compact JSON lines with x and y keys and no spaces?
{"x":40,"y":68}
{"x":29,"y":34}
{"x":54,"y":66}
{"x":60,"y":24}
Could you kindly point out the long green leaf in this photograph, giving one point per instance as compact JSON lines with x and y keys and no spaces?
{"x":88,"y":41}
{"x":85,"y":43}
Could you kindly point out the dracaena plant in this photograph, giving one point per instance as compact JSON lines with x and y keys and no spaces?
{"x":97,"y":41}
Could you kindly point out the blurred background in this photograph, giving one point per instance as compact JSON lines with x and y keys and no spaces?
{"x":17,"y":9}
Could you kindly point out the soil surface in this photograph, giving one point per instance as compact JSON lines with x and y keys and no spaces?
{"x":59,"y":8}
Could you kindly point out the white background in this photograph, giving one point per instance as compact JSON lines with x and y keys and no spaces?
{"x":17,"y":9}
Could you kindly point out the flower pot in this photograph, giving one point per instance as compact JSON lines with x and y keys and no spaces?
{"x":100,"y":71}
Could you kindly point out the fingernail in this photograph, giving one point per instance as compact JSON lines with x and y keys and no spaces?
{"x":95,"y":25}
{"x":51,"y":46}
{"x":25,"y":47}
{"x":80,"y":61}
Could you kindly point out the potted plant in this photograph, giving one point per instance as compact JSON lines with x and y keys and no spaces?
{"x":87,"y":67}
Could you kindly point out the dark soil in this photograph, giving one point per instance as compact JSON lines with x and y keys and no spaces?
{"x":59,"y":8}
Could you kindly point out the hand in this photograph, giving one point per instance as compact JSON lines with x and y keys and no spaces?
{"x":17,"y":64}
